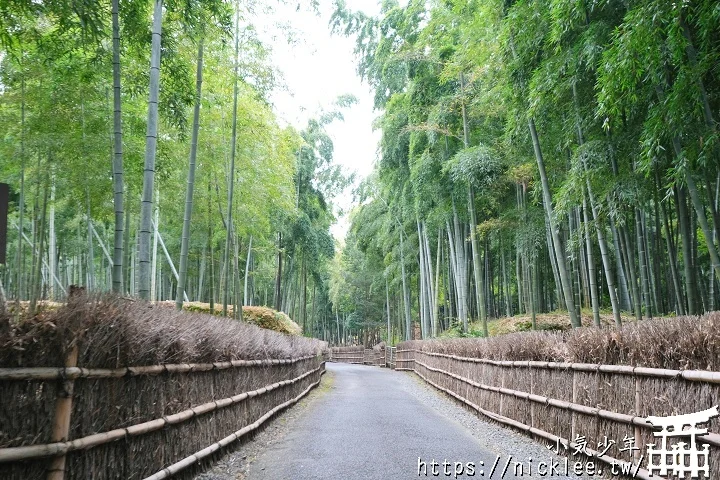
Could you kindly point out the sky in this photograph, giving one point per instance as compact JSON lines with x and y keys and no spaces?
{"x":317,"y":68}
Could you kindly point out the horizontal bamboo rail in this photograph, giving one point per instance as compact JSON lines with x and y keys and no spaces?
{"x":690,"y":375}
{"x":196,"y":457}
{"x":72,"y":373}
{"x":29,"y":452}
{"x":641,"y":473}
{"x":711,"y":438}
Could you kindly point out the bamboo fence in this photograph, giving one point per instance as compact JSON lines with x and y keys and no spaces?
{"x":374,"y":357}
{"x":347,"y":355}
{"x":359,"y":355}
{"x":390,"y":356}
{"x":573,"y":403}
{"x":139,"y":422}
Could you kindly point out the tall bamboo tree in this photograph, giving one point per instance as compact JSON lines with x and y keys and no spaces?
{"x":146,"y":205}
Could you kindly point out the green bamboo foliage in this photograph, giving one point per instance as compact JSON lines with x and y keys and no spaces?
{"x":602,"y":117}
{"x":535,"y":156}
{"x":54,"y":109}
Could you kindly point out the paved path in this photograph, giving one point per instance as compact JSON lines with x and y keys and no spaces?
{"x":368,"y":427}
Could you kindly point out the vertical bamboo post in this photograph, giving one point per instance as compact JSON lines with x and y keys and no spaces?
{"x":502,"y":384}
{"x":532,"y":391}
{"x":574,"y":400}
{"x":637,"y":433}
{"x":61,"y":425}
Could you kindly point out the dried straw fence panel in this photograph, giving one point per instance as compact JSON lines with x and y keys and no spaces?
{"x":405,"y":357}
{"x":347,"y":354}
{"x":136,"y":422}
{"x":571,"y":400}
{"x":357,"y":354}
{"x":375,"y":357}
{"x":531,"y":385}
{"x":180,"y":415}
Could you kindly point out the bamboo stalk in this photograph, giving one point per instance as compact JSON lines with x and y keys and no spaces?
{"x":72,"y":373}
{"x":701,"y":376}
{"x":637,"y":412}
{"x":690,"y":375}
{"x":573,"y":419}
{"x":532,"y":390}
{"x":61,"y":425}
{"x":61,"y":447}
{"x":502,"y":386}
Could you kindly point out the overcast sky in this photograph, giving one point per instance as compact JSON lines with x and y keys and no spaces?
{"x":318,"y":68}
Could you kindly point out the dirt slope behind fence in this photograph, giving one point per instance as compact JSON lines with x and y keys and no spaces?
{"x":106,"y":388}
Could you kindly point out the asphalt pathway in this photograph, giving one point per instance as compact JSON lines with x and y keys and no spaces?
{"x":369,"y":427}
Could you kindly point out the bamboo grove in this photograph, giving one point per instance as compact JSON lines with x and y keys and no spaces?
{"x":144,"y":157}
{"x":536,"y":155}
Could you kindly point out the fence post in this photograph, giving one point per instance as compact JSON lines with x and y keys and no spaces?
{"x":532,"y":392}
{"x":637,"y":433}
{"x":502,"y":385}
{"x":61,"y":423}
{"x":574,"y":400}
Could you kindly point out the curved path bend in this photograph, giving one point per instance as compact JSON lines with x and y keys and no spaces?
{"x":372,"y":424}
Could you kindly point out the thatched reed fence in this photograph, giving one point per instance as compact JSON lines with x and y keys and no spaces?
{"x":375,"y":356}
{"x":142,"y":392}
{"x":535,"y":383}
{"x":347,"y":354}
